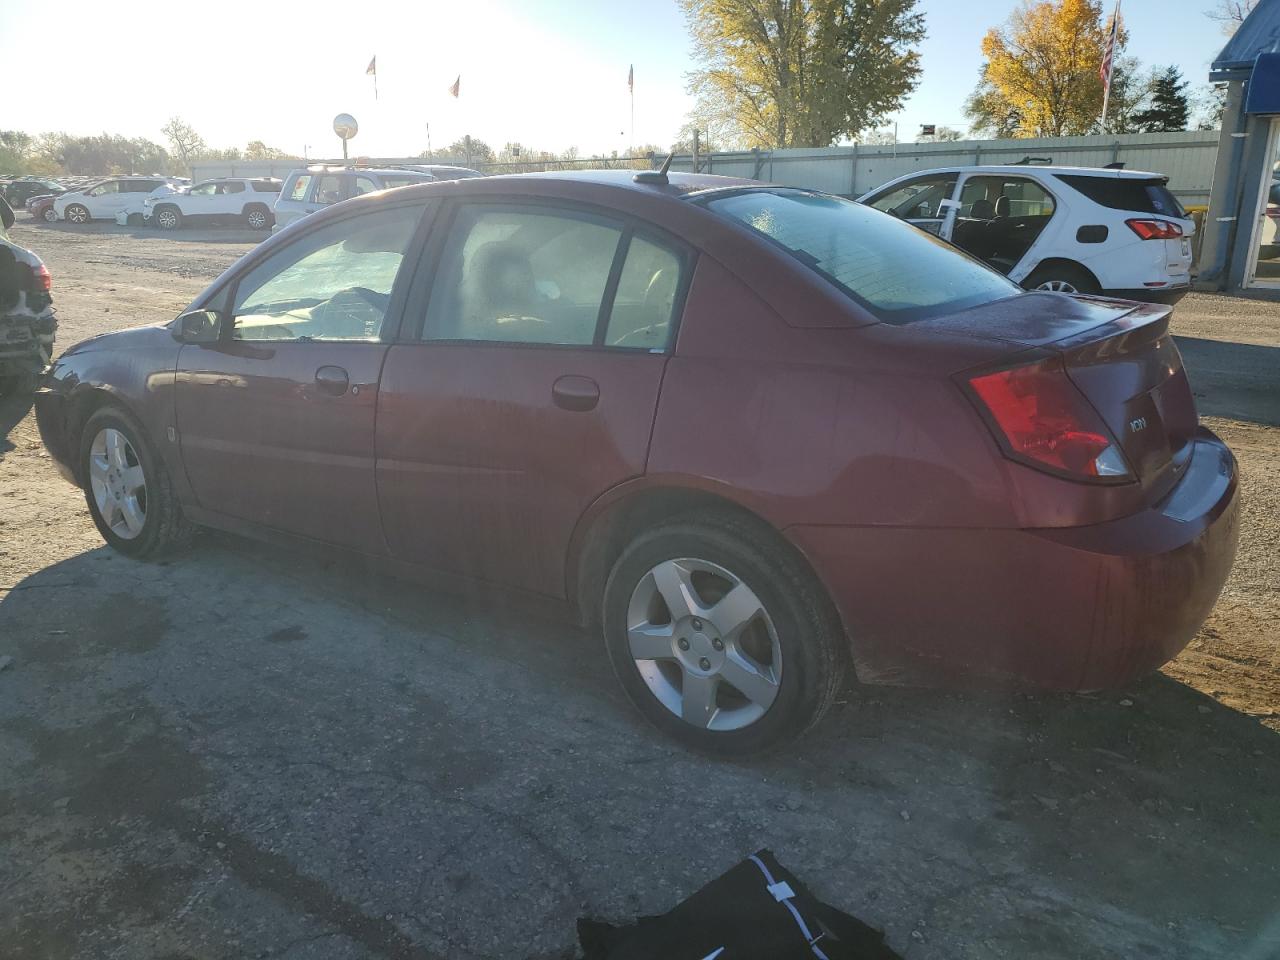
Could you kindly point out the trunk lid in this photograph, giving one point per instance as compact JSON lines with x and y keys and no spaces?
{"x":1120,"y":355}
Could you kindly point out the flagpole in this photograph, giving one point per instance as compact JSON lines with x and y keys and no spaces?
{"x":1111,"y":44}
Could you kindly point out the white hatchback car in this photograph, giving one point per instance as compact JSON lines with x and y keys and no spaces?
{"x":247,"y":200}
{"x":1070,"y":229}
{"x":104,"y":199}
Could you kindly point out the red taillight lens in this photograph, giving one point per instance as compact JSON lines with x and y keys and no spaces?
{"x":1045,"y":421}
{"x":44,"y":280}
{"x":1155,"y":229}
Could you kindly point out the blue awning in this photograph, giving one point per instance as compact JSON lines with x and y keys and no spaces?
{"x":1260,"y":33}
{"x":1264,"y":85}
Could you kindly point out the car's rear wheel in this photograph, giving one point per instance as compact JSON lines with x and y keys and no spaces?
{"x":168,"y":217}
{"x":127,"y":488}
{"x":50,"y":215}
{"x":77,"y":213}
{"x":1062,"y":278}
{"x":720,"y":636}
{"x":257,"y":218}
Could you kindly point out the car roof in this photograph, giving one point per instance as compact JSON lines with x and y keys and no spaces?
{"x":679,"y":184}
{"x":1024,"y":168}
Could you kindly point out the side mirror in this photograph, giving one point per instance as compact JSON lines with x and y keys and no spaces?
{"x":198,"y":326}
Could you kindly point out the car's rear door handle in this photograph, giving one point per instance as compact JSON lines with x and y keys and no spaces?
{"x":572,"y":392}
{"x":332,"y":380}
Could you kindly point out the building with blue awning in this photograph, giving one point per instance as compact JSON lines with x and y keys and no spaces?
{"x":1241,"y":246}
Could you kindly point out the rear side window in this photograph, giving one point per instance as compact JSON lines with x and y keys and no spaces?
{"x":329,"y":189}
{"x":299,"y":190}
{"x":1128,"y":193}
{"x":266,"y":186}
{"x":392,"y":181}
{"x":895,"y":271}
{"x":521,"y":276}
{"x":232,"y":186}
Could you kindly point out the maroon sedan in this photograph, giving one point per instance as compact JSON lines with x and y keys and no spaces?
{"x":757,"y":435}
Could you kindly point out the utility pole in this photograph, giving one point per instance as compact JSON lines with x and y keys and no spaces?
{"x":695,"y":149}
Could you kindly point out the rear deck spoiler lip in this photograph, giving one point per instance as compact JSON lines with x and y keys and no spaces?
{"x":1144,"y":322}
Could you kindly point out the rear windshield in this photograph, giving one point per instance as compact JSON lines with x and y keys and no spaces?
{"x":1127,"y":193}
{"x":896,"y":271}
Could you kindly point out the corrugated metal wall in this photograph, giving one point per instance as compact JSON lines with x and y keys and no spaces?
{"x":1186,"y":158}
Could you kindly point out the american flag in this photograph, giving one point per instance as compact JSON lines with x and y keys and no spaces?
{"x":1109,"y":51}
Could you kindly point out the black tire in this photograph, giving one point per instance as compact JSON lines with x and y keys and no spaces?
{"x":165,"y":530}
{"x":258,"y":217}
{"x":78,"y":213}
{"x":814,"y":650}
{"x":50,"y":215}
{"x":167,"y":217}
{"x":1057,"y":277}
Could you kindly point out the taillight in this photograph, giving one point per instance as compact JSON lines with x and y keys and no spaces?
{"x":1155,"y":229}
{"x":44,"y":280}
{"x":1043,"y":420}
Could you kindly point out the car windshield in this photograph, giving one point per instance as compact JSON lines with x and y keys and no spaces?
{"x":896,"y":271}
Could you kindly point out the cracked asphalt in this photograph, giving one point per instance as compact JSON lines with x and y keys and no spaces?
{"x":256,"y":751}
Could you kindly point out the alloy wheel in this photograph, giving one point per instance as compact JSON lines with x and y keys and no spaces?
{"x":118,"y":483}
{"x":77,"y":214}
{"x":167,"y":219}
{"x":50,"y":215}
{"x":704,"y":644}
{"x":257,"y":219}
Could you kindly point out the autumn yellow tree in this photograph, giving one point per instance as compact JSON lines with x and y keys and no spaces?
{"x":801,"y":73}
{"x":1041,"y":74}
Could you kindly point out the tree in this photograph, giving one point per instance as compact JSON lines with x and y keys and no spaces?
{"x":1169,"y":107}
{"x":1130,"y":93}
{"x":1211,"y":103}
{"x":1041,"y":77}
{"x":186,"y":143}
{"x":257,"y":150}
{"x":466,"y":150}
{"x":943,"y":134}
{"x":802,"y":73}
{"x":878,"y":138}
{"x":1231,"y":13}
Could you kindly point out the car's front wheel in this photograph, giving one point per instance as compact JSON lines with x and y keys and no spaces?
{"x":50,"y":215}
{"x":720,"y":636}
{"x":77,"y":213}
{"x":127,"y":488}
{"x":168,"y":217}
{"x":257,"y":218}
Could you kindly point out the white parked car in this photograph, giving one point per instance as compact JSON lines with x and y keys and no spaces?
{"x":312,"y":189}
{"x":104,"y":199}
{"x":247,"y":200}
{"x":1071,"y":229}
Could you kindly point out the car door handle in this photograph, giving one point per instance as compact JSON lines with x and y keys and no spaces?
{"x":332,"y":380}
{"x":575,"y":393}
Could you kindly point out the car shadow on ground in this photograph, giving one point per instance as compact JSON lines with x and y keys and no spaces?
{"x":201,"y":233}
{"x":389,"y":762}
{"x":12,"y":410}
{"x":1235,"y":380}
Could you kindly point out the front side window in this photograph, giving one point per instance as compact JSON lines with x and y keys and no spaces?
{"x":919,"y":199}
{"x":204,"y":190}
{"x":366,"y":185}
{"x":522,"y":276}
{"x":897,"y":272}
{"x":299,"y":190}
{"x":334,"y":283}
{"x":329,"y":189}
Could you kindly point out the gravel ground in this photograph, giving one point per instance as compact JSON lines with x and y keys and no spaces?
{"x":255,"y":751}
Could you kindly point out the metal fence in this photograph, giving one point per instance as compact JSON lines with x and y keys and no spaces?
{"x":1186,"y":158}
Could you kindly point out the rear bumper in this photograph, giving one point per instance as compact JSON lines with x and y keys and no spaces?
{"x":1075,"y":608}
{"x":1170,"y":294}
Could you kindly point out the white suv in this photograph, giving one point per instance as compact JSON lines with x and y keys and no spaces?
{"x":306,"y":191}
{"x":106,"y":198}
{"x":1070,"y":229}
{"x":246,"y":200}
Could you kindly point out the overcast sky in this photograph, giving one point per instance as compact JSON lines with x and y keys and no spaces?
{"x":547,"y":73}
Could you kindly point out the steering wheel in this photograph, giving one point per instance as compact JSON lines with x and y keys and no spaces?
{"x":353,"y":312}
